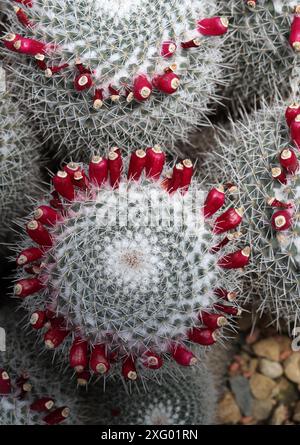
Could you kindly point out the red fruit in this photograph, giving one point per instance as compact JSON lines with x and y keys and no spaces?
{"x":129,"y":369}
{"x":99,"y":362}
{"x":38,"y":319}
{"x":57,"y":416}
{"x":80,"y":180}
{"x":295,"y":130}
{"x":291,"y":112}
{"x":39,"y":233}
{"x":168,"y":48}
{"x":202,"y":336}
{"x":50,"y":70}
{"x":279,"y":175}
{"x":83,"y":378}
{"x":214,"y":201}
{"x":282,"y":220}
{"x":230,"y":310}
{"x":71,"y":168}
{"x":289,"y":161}
{"x":62,"y":182}
{"x":235,"y":260}
{"x":79,"y":355}
{"x":183,"y":356}
{"x":23,"y":45}
{"x":142,"y":88}
{"x":98,"y":170}
{"x":46,"y":215}
{"x":212,"y":321}
{"x":294,"y":38}
{"x":29,"y":255}
{"x":55,"y":336}
{"x":273,"y":202}
{"x":193,"y":43}
{"x":115,"y":165}
{"x":213,"y":26}
{"x":27,"y":3}
{"x":5,"y":383}
{"x":224,"y":294}
{"x":175,"y":182}
{"x":23,"y":18}
{"x":83,"y":81}
{"x":152,"y":360}
{"x":43,"y":404}
{"x":28,"y":286}
{"x":228,"y":220}
{"x":114,"y":93}
{"x":155,"y":160}
{"x":98,"y":99}
{"x":187,"y":174}
{"x":136,"y":165}
{"x":166,"y":83}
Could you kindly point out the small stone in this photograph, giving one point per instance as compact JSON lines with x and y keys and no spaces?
{"x":267,"y":348}
{"x":253,"y":365}
{"x":292,"y":367}
{"x":270,"y":369}
{"x":261,"y":409}
{"x":228,"y":410}
{"x":261,"y":386}
{"x":241,"y":390}
{"x":280,"y":415}
{"x":296,"y":416}
{"x":284,"y":343}
{"x":247,"y":420}
{"x":285,"y":392}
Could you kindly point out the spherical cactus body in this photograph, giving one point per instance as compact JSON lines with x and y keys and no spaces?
{"x":151,"y":70}
{"x":124,"y":272}
{"x":261,"y":156}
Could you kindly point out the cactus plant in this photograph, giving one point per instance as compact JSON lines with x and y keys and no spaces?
{"x":188,"y":401}
{"x":261,"y":156}
{"x":263,"y":49}
{"x":148,"y":75}
{"x":19,"y":169}
{"x":130,"y":268}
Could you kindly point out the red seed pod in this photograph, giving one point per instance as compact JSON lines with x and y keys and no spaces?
{"x":220,"y":245}
{"x":114,"y":93}
{"x":98,"y":170}
{"x":279,"y":175}
{"x":294,"y":38}
{"x":57,"y":322}
{"x":289,"y":161}
{"x":214,"y":201}
{"x":202,"y":336}
{"x":136,"y":165}
{"x":273,"y":202}
{"x":142,"y":88}
{"x":166,"y":83}
{"x":5,"y":383}
{"x":46,"y":215}
{"x":115,"y":165}
{"x":187,"y":175}
{"x":57,"y":416}
{"x":129,"y":369}
{"x":282,"y":220}
{"x":99,"y":362}
{"x":295,"y":130}
{"x":71,"y":168}
{"x":213,"y":26}
{"x":168,"y":48}
{"x":50,"y":70}
{"x":155,"y":161}
{"x":151,"y":360}
{"x":38,"y":319}
{"x":183,"y":356}
{"x":27,"y":286}
{"x":23,"y":18}
{"x":27,"y":3}
{"x":193,"y":43}
{"x":83,"y":378}
{"x":228,"y":220}
{"x":55,"y":202}
{"x":98,"y":98}
{"x":80,"y":180}
{"x":230,"y":310}
{"x":225,"y":295}
{"x":39,"y":233}
{"x":79,"y":355}
{"x":62,"y":182}
{"x":176,"y":179}
{"x":55,"y":336}
{"x":83,"y":81}
{"x":82,"y":68}
{"x":212,"y":321}
{"x":235,"y":260}
{"x":23,"y":45}
{"x":43,"y":404}
{"x":291,"y":112}
{"x":29,"y":255}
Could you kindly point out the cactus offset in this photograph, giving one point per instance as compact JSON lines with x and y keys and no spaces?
{"x":129,"y":269}
{"x":260,"y":155}
{"x":114,"y":84}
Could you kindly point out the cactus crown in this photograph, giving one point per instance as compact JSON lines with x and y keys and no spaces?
{"x":266,"y":167}
{"x":130,"y":266}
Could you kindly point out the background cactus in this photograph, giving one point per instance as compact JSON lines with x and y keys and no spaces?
{"x":119,"y":83}
{"x":129,"y":268}
{"x":262,"y":49}
{"x":260,"y":155}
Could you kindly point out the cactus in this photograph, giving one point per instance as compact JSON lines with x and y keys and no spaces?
{"x":148,"y":74}
{"x":260,"y":155}
{"x":188,"y":401}
{"x":132,"y":269}
{"x":29,"y":393}
{"x":263,"y":49}
{"x":19,"y":169}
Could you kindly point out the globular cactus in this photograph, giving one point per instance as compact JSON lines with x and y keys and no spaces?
{"x":19,"y":171}
{"x":188,"y":401}
{"x":29,"y":391}
{"x":149,"y":74}
{"x":261,"y":156}
{"x":263,"y":49}
{"x":130,"y":271}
